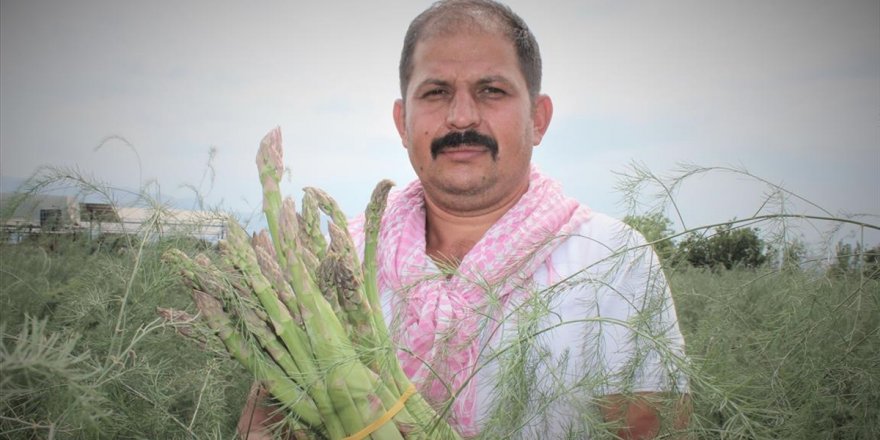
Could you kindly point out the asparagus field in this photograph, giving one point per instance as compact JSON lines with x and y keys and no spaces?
{"x":161,"y":337}
{"x":793,"y":354}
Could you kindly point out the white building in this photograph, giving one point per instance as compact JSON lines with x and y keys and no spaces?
{"x":44,"y":214}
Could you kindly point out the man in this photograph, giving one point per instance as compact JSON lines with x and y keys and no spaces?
{"x":526,"y":313}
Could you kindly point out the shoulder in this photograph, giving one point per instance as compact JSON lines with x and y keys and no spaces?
{"x":606,"y":231}
{"x":597,"y":244}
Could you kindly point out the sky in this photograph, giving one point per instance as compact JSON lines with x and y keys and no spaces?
{"x":183,"y":91}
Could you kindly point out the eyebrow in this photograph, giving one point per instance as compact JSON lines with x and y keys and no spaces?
{"x":432,"y":82}
{"x":482,"y":81}
{"x":494,"y":79}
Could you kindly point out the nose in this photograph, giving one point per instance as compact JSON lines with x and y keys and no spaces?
{"x":463,"y":112}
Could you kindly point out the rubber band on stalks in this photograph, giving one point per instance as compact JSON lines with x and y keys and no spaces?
{"x":369,"y":429}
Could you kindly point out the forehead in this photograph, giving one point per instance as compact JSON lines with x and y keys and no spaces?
{"x":465,"y":55}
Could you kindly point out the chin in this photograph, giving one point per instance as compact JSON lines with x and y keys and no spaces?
{"x":470,"y":186}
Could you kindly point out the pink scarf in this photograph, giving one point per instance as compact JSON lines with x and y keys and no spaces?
{"x":439,"y":321}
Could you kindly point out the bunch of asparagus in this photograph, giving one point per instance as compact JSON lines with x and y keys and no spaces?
{"x":303,"y":316}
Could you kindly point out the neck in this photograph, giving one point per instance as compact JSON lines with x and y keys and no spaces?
{"x":451,"y":234}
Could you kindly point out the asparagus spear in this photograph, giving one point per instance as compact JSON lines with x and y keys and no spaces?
{"x":418,"y":412}
{"x":311,"y":217}
{"x":280,"y":385}
{"x":332,"y":351}
{"x":212,"y":309}
{"x":239,"y":254}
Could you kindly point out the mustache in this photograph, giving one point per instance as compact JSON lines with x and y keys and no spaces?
{"x":467,"y":137}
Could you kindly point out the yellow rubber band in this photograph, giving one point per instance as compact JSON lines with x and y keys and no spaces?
{"x":363,"y":433}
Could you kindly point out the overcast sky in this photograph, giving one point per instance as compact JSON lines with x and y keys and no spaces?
{"x":788,"y":89}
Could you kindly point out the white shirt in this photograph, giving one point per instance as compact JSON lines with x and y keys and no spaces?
{"x":598,"y":319}
{"x":609,"y":326}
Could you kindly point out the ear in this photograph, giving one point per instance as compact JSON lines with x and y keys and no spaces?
{"x":400,"y":121}
{"x":541,"y":115}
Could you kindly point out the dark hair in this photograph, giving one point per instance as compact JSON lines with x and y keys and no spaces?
{"x":453,"y":15}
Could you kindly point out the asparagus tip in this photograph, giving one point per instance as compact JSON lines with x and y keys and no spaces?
{"x":271,"y":152}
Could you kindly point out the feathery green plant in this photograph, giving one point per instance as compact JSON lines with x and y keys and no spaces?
{"x":771,"y":353}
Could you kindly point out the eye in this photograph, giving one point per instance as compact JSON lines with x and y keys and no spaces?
{"x":434,"y":93}
{"x":492,"y":92}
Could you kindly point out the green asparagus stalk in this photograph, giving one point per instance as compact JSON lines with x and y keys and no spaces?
{"x":270,"y":164}
{"x":428,"y":423}
{"x":283,"y":230}
{"x":279,"y":384}
{"x":361,"y":313}
{"x":254,"y":319}
{"x":329,"y":206}
{"x":206,"y":276}
{"x":270,"y":269}
{"x":227,"y":287}
{"x":308,"y":249}
{"x":326,"y":333}
{"x":336,"y":279}
{"x":239,"y":254}
{"x":199,"y":277}
{"x":342,"y":270}
{"x":329,"y":350}
{"x":372,"y":223}
{"x":312,"y":224}
{"x":341,"y":262}
{"x":262,"y":240}
{"x":300,"y":262}
{"x":326,"y":278}
{"x":332,"y":350}
{"x":203,"y":276}
{"x":418,"y":411}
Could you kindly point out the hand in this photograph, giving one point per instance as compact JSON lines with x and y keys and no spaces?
{"x":640,"y":414}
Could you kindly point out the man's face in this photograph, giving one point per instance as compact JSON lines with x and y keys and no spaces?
{"x":467,"y":121}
